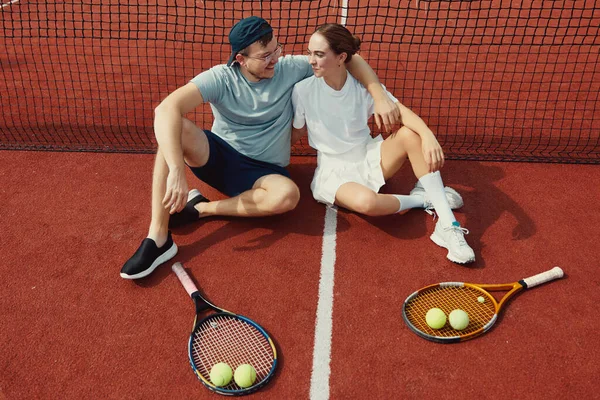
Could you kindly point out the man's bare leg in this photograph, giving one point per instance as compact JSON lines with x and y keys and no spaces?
{"x":195,"y":152}
{"x":159,"y":224}
{"x":270,"y":195}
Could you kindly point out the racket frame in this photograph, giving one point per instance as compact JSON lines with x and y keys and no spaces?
{"x":202,"y":305}
{"x":484,"y":289}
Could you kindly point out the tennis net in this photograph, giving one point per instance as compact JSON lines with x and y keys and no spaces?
{"x":495,"y":80}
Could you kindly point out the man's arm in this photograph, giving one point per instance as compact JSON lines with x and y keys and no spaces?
{"x":167,"y":129}
{"x":385,"y":109}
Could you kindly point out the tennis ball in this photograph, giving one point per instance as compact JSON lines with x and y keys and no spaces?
{"x":245,"y":375}
{"x":458,"y":319}
{"x":481,"y":299}
{"x":435,"y":318}
{"x":220,"y":374}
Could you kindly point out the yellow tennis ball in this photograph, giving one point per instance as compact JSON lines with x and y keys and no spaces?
{"x":220,"y":374}
{"x":435,"y":318}
{"x":245,"y":375}
{"x":458,"y":319}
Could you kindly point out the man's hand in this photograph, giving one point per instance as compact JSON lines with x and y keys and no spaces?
{"x":433,"y":153}
{"x":176,"y":192}
{"x":387,"y":112}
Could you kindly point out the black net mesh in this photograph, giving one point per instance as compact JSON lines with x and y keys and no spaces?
{"x":495,"y":80}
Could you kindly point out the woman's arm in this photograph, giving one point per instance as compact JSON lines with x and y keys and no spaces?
{"x":411,"y":120}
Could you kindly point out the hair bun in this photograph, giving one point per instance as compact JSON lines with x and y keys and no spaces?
{"x":356,"y":43}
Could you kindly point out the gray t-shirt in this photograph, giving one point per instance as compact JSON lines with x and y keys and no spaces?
{"x":255,"y":118}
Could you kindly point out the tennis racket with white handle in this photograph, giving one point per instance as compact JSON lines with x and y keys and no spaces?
{"x":468,"y":297}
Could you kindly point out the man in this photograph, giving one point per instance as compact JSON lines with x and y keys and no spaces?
{"x":245,"y":154}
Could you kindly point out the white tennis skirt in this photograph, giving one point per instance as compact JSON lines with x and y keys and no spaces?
{"x":361,"y":164}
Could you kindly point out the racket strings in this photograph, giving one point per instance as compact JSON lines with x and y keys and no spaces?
{"x":225,"y":338}
{"x":449,"y":298}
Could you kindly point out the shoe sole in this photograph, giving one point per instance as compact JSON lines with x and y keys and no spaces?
{"x":442,"y":243}
{"x":163,"y":258}
{"x":457,"y":196}
{"x":193,"y":193}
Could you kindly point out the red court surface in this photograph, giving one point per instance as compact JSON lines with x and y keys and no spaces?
{"x":72,"y":328}
{"x":497,"y":79}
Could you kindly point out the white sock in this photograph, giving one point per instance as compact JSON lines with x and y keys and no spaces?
{"x":433,"y":185}
{"x":408,"y":202}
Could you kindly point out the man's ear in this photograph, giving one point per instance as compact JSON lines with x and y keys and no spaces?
{"x":240,"y":59}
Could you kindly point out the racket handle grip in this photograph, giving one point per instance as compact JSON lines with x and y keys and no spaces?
{"x":184,"y":278}
{"x":544,"y":277}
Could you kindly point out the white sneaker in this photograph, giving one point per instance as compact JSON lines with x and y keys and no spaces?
{"x":455,"y":200}
{"x":452,"y":237}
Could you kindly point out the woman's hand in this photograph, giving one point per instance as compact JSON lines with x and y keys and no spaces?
{"x":433,"y":153}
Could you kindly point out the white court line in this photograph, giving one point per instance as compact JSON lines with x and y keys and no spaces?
{"x":9,"y":3}
{"x":319,"y":381}
{"x":344,"y":12}
{"x":321,"y":369}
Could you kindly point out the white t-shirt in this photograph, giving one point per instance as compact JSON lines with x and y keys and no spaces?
{"x":336,"y":119}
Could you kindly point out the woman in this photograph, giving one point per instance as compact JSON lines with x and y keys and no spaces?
{"x":352,"y":166}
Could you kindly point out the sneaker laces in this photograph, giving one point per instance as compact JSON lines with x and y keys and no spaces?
{"x":427,"y":204}
{"x":459,"y":233}
{"x":431,"y":211}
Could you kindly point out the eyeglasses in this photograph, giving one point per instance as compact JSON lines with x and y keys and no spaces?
{"x":270,"y":57}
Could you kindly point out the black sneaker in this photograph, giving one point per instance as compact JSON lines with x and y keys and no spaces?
{"x":189,"y":214}
{"x":147,"y":258}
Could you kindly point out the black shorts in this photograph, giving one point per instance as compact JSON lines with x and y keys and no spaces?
{"x":231,"y":172}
